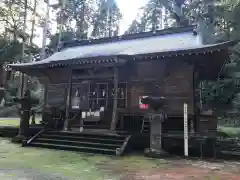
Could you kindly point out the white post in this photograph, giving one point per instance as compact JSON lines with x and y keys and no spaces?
{"x":185,"y":116}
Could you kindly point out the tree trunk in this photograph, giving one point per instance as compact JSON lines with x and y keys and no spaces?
{"x":33,"y":23}
{"x":24,"y":115}
{"x":23,"y":79}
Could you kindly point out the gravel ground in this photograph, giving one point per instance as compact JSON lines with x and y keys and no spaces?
{"x":27,"y":174}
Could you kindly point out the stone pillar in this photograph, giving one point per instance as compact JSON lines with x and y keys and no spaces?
{"x":156,"y":131}
{"x":156,"y":121}
{"x":26,"y":105}
{"x":2,"y":95}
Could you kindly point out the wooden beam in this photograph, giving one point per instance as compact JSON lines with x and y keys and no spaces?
{"x":68,"y":100}
{"x":98,"y":65}
{"x":115,"y":100}
{"x":80,"y":77}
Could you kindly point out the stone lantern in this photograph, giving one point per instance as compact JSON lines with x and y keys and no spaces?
{"x":156,"y":117}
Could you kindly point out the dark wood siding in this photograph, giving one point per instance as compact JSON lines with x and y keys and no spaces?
{"x":207,"y":124}
{"x":146,"y":79}
{"x":178,"y":84}
{"x":57,"y":88}
{"x":170,"y":78}
{"x":56,"y":95}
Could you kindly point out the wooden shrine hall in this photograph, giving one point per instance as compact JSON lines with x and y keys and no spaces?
{"x":99,"y":83}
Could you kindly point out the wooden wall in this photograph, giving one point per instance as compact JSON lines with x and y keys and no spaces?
{"x":178,"y":86}
{"x":207,"y":124}
{"x":56,"y":88}
{"x":170,"y":78}
{"x":145,"y":79}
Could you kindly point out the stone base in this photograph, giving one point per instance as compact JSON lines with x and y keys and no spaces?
{"x":156,"y":153}
{"x":18,"y":139}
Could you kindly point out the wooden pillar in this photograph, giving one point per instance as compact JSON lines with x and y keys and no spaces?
{"x":115,"y":100}
{"x":68,"y":101}
{"x":23,"y":84}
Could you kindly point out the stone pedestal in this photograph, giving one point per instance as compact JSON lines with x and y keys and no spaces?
{"x":2,"y":94}
{"x":23,"y":128}
{"x":26,"y":105}
{"x":155,"y":149}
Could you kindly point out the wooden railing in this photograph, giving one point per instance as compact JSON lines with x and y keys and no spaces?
{"x":33,"y":137}
{"x":120,"y":151}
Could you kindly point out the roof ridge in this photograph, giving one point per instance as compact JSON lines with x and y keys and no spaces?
{"x":173,"y":30}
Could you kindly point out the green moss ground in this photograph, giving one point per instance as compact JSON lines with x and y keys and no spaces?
{"x":70,"y":164}
{"x":13,"y":122}
{"x":231,"y":131}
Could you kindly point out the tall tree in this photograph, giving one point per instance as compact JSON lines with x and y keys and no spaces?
{"x":12,"y":15}
{"x":33,"y":22}
{"x":106,"y":19}
{"x":153,"y":16}
{"x":87,"y":19}
{"x":81,"y":13}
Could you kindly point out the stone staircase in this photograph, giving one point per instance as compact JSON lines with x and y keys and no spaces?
{"x":88,"y":142}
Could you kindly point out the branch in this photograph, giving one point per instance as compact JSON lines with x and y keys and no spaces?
{"x":6,"y":21}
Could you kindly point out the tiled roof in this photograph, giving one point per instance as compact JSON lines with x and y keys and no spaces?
{"x":167,"y":45}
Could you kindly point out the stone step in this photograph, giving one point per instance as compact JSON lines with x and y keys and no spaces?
{"x":75,"y":148}
{"x":83,"y":138}
{"x":89,"y":134}
{"x":79,"y":143}
{"x":91,"y":126}
{"x":85,"y":142}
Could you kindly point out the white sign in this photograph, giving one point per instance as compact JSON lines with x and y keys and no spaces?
{"x":185,"y":118}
